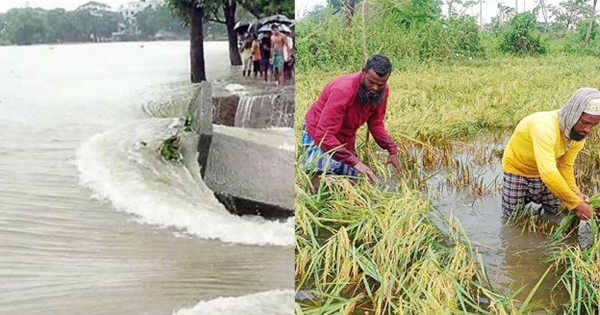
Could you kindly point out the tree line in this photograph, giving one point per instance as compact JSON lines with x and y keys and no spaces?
{"x":566,"y":15}
{"x":339,"y":34}
{"x":91,"y":22}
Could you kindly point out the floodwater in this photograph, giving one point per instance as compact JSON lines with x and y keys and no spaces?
{"x":92,"y":221}
{"x":512,"y":259}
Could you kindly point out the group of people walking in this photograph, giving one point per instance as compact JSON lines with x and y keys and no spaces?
{"x":270,"y":57}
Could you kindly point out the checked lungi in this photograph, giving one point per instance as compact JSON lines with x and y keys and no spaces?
{"x":315,"y":159}
{"x":520,"y":191}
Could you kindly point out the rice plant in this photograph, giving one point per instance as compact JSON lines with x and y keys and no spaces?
{"x":578,"y":266}
{"x":530,"y":220}
{"x":446,"y":101}
{"x":359,"y":248}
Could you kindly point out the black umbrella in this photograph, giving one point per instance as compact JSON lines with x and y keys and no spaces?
{"x":267,"y":28}
{"x":241,"y":27}
{"x":280,"y":19}
{"x":253,"y":29}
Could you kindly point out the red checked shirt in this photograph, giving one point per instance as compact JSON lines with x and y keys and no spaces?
{"x":334,"y":118}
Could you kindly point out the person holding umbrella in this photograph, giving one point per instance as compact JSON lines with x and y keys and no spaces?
{"x":247,"y":54}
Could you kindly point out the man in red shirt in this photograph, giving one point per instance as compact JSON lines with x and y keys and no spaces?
{"x":346,"y":103}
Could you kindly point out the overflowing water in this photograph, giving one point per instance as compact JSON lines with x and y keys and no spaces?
{"x":250,"y":104}
{"x":123,"y":166}
{"x":92,"y":220}
{"x":264,"y":111}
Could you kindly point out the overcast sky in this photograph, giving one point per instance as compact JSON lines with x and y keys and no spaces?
{"x":490,"y":7}
{"x":68,"y":5}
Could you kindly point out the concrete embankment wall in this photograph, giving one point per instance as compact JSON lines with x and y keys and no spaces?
{"x":250,"y":171}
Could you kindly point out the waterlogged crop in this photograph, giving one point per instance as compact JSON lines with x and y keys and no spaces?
{"x":384,"y":249}
{"x":577,"y":265}
{"x":361,"y":249}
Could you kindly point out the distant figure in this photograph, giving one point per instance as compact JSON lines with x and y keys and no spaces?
{"x":256,"y":56}
{"x":265,"y":55}
{"x":331,"y":123}
{"x":278,"y":45}
{"x":288,"y":66}
{"x":246,"y":54}
{"x":538,"y":160}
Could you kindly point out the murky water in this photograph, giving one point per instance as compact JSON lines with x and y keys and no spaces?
{"x":91,"y":221}
{"x":512,"y":259}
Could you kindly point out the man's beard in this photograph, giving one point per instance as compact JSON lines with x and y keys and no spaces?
{"x":367,"y":97}
{"x":576,"y":136}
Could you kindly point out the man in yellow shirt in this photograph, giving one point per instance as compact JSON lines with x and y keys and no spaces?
{"x":538,"y":160}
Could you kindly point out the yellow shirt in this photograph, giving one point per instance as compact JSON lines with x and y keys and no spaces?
{"x":537,"y":148}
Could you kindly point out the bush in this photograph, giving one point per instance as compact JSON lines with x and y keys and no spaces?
{"x":582,"y":28}
{"x":572,"y":43}
{"x":323,"y":42}
{"x":520,"y":36}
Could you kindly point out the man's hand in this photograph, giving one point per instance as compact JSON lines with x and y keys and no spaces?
{"x":583,"y":211}
{"x":363,"y":169}
{"x":585,"y":198}
{"x":393,"y":159}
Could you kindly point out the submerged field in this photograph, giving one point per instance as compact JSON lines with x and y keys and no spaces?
{"x":399,"y":247}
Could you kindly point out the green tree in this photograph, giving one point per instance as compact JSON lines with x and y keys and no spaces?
{"x":583,"y":29}
{"x":224,"y":12}
{"x":414,"y":12}
{"x":152,"y":20}
{"x":94,"y":21}
{"x":543,"y":8}
{"x":26,"y":26}
{"x":2,"y":28}
{"x":349,"y":6}
{"x":58,"y":25}
{"x":456,"y":8}
{"x":592,"y":21}
{"x":520,"y":37}
{"x":571,"y":12}
{"x":149,"y":21}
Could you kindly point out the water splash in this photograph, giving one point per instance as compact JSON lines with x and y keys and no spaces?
{"x":276,"y":302}
{"x":123,"y":166}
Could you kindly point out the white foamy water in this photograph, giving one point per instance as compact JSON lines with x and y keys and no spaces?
{"x":134,"y":177}
{"x":275,"y":302}
{"x":280,"y":138}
